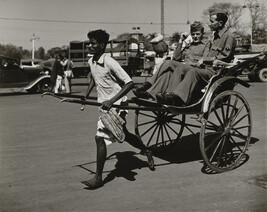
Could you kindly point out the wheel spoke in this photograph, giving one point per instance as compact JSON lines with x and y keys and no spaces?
{"x":189,"y":129}
{"x":221,"y":152}
{"x":147,"y":115}
{"x":171,"y":128}
{"x":160,"y":129}
{"x":215,"y":140}
{"x":233,"y":108}
{"x":148,"y":129}
{"x":167,"y":132}
{"x":222,"y":111}
{"x":213,"y":126}
{"x":144,"y":123}
{"x":242,"y":127}
{"x":152,"y":135}
{"x":240,"y":135}
{"x":162,"y":135}
{"x":228,"y":107}
{"x":216,"y":148}
{"x":218,"y":118}
{"x":158,"y":134}
{"x":240,"y":119}
{"x":233,"y":142}
{"x":237,"y":113}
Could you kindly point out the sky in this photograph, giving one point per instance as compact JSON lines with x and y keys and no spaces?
{"x":57,"y":22}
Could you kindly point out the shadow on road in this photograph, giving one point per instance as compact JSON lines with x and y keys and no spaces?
{"x":185,"y":150}
{"x":127,"y":162}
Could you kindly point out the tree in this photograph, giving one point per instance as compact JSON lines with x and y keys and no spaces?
{"x":258,"y":17}
{"x":259,"y":21}
{"x":234,"y":12}
{"x":40,"y":53}
{"x":175,"y":37}
{"x":13,"y":51}
{"x":52,"y":52}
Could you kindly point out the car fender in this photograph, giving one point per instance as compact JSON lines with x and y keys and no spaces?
{"x":36,"y":81}
{"x":222,"y":84}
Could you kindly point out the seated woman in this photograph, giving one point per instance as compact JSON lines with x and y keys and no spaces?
{"x":175,"y":69}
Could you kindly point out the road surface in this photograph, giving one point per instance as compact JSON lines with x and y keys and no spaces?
{"x":47,"y":148}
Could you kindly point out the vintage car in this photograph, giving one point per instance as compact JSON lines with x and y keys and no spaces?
{"x":47,"y":65}
{"x":31,"y":80}
{"x":30,"y":63}
{"x":256,"y":70}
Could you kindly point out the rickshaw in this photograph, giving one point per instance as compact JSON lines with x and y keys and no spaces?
{"x":224,"y":116}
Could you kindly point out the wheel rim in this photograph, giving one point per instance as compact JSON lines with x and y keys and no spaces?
{"x":157,"y":128}
{"x":263,"y":75}
{"x":226,"y":133}
{"x":45,"y":86}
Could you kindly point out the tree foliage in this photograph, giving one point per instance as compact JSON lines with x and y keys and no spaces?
{"x":175,"y":37}
{"x":13,"y":51}
{"x":235,"y":11}
{"x":259,"y":23}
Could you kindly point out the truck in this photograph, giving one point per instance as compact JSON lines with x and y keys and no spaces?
{"x":78,"y":53}
{"x":129,"y":53}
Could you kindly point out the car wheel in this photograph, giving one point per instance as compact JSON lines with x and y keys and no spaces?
{"x":252,"y":77}
{"x":263,"y":75}
{"x":45,"y":85}
{"x":245,"y":71}
{"x":32,"y":90}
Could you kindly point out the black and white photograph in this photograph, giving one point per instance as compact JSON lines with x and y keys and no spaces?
{"x":133,"y":105}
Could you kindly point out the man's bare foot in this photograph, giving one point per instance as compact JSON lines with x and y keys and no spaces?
{"x":93,"y":183}
{"x":150,"y":160}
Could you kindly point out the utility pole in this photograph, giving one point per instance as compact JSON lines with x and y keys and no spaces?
{"x":162,"y":17}
{"x":32,"y":40}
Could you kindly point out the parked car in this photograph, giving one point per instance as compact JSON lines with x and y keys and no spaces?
{"x":256,"y":70}
{"x":30,"y":63}
{"x":31,"y":80}
{"x":47,"y":65}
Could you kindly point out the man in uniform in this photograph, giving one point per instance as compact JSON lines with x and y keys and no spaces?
{"x":184,"y":59}
{"x":222,"y":49}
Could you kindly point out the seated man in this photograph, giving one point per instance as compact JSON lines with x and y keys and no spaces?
{"x":191,"y":54}
{"x":222,"y":48}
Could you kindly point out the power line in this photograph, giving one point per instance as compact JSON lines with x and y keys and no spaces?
{"x":86,"y":22}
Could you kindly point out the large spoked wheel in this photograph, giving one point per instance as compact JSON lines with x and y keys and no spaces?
{"x":226,"y":132}
{"x":158,"y":128}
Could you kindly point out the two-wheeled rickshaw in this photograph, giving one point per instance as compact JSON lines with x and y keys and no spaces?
{"x":224,"y":116}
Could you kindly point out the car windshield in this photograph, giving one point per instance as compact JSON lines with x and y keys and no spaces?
{"x":26,"y":63}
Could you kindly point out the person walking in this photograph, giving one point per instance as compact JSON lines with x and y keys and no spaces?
{"x":112,"y":84}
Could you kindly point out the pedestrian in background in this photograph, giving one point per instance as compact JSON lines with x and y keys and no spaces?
{"x":68,"y":74}
{"x":58,"y":71}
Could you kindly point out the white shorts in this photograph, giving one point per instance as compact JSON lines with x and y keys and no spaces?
{"x":103,"y":132}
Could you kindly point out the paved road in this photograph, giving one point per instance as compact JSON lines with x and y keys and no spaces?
{"x":47,"y":148}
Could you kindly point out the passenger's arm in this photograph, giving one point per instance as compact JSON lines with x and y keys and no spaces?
{"x":177,"y":54}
